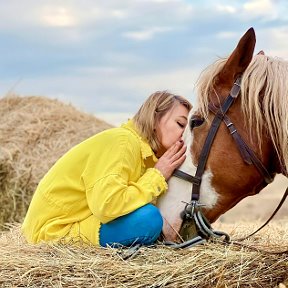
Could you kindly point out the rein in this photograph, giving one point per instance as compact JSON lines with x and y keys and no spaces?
{"x":192,"y":210}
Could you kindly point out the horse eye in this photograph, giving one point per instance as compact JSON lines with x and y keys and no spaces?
{"x":196,"y":122}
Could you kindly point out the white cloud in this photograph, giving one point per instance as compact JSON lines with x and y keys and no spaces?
{"x":255,"y":8}
{"x":227,"y":35}
{"x":58,"y":16}
{"x":179,"y":81}
{"x":226,"y":9}
{"x":118,"y":90}
{"x":163,"y":1}
{"x":277,"y":45}
{"x":121,"y":14}
{"x":15,"y":14}
{"x":74,"y":21}
{"x":114,"y":118}
{"x":146,"y":34}
{"x":20,"y":14}
{"x":258,"y":6}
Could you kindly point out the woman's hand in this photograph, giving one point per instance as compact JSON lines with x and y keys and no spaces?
{"x":171,"y":159}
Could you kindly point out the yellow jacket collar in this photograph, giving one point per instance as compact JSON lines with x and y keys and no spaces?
{"x":146,"y":150}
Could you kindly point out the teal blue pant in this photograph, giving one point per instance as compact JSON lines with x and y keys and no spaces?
{"x":142,"y":226}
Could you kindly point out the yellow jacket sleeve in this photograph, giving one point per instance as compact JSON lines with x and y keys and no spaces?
{"x":124,"y":183}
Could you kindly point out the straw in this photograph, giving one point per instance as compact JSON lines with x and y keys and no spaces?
{"x":34,"y":133}
{"x":209,"y":265}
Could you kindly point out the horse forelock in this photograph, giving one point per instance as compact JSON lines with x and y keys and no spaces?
{"x":264,"y":99}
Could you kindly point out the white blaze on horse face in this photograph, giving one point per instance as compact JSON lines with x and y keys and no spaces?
{"x":208,"y":195}
{"x":172,"y":203}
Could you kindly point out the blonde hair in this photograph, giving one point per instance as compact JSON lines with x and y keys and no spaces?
{"x":152,"y":110}
{"x":264,"y":99}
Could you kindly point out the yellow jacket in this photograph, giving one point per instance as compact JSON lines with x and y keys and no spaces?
{"x":104,"y":177}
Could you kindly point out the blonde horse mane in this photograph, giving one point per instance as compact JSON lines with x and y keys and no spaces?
{"x":264,"y":98}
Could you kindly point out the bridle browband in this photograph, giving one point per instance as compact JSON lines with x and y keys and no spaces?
{"x":192,"y":210}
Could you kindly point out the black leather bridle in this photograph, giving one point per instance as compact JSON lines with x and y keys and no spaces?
{"x":192,"y":210}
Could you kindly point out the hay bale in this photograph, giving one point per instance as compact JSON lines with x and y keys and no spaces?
{"x":209,"y":265}
{"x":34,"y":133}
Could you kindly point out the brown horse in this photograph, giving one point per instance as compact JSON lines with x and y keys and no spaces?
{"x":259,"y":115}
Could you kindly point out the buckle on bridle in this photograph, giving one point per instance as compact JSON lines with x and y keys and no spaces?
{"x":191,"y":207}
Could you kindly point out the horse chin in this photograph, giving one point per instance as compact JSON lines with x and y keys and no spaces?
{"x":171,"y":205}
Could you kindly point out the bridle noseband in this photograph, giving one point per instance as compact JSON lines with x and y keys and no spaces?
{"x":192,"y":210}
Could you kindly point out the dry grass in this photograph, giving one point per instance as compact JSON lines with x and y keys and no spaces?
{"x":34,"y":133}
{"x":210,"y":265}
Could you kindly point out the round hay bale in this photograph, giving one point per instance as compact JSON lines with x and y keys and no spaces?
{"x":34,"y":133}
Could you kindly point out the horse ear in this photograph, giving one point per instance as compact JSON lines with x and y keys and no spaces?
{"x":239,"y":59}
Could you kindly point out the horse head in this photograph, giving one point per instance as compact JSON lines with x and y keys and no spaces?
{"x":245,"y":153}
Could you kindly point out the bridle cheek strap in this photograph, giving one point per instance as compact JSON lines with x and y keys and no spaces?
{"x":247,"y":154}
{"x":219,"y":116}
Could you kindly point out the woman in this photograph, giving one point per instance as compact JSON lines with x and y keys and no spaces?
{"x":101,"y":190}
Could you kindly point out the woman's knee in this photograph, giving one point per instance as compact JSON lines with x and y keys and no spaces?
{"x":143,"y":226}
{"x":151,"y":218}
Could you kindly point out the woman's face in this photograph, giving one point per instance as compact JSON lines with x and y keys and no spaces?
{"x":171,"y":126}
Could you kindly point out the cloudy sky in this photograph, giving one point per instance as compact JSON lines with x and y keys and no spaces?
{"x":107,"y":56}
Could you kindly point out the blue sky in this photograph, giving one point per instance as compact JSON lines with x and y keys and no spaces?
{"x":106,"y":57}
